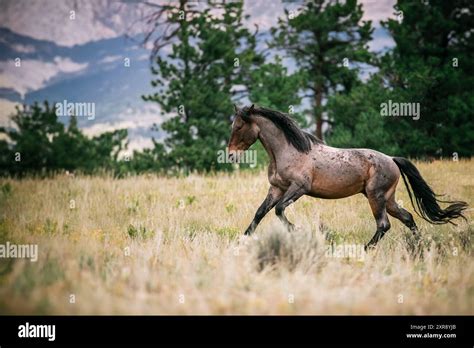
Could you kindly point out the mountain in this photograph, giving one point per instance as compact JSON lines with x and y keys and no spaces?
{"x":112,"y":73}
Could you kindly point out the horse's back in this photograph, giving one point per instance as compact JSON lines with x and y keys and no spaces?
{"x":339,"y":173}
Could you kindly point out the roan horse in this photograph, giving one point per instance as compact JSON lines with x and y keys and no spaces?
{"x":301,"y":164}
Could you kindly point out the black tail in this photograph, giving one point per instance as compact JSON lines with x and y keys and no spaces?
{"x":426,"y":202}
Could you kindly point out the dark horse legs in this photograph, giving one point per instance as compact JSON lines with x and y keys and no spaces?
{"x":401,"y":214}
{"x":279,"y":198}
{"x":273,"y":196}
{"x":378,"y":205}
{"x":293,"y":193}
{"x":380,"y":208}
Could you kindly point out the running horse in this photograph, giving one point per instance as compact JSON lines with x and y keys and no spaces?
{"x":301,"y":164}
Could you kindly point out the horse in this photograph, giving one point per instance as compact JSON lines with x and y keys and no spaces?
{"x":301,"y":164}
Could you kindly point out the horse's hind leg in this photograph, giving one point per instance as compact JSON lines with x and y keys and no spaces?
{"x":378,"y":205}
{"x":401,"y":214}
{"x":407,"y":219}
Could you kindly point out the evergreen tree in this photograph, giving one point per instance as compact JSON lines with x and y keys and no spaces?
{"x":431,"y":64}
{"x":273,"y":87}
{"x":31,"y":137}
{"x":358,"y":121}
{"x":211,"y":56}
{"x":324,"y":37}
{"x":39,"y":144}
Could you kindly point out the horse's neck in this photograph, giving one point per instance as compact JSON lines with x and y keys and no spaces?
{"x":272,"y":139}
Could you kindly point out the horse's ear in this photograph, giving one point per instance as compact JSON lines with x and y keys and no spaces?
{"x":236,"y":108}
{"x":249,"y":111}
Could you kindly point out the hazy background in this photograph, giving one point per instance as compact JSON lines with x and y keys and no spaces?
{"x":83,"y":59}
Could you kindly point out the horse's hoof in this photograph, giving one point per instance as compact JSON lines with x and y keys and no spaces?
{"x":369,"y":247}
{"x":249,"y":232}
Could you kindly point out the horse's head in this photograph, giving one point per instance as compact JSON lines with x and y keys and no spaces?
{"x":244,"y":132}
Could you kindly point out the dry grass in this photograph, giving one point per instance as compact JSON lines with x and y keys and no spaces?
{"x":148,"y":245}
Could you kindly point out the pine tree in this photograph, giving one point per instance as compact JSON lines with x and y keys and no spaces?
{"x":39,"y":143}
{"x":273,"y":87}
{"x":211,"y":56}
{"x":431,"y":64}
{"x":324,"y":38}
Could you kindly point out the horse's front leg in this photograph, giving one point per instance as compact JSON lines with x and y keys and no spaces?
{"x":273,"y":196}
{"x":294,"y":192}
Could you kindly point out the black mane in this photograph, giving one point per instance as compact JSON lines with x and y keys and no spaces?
{"x":300,"y":139}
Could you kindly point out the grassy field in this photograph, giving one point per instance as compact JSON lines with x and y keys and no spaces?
{"x":150,"y":245}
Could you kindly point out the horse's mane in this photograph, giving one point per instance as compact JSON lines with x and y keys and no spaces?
{"x":300,"y":139}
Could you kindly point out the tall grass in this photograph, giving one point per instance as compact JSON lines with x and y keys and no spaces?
{"x":151,"y":245}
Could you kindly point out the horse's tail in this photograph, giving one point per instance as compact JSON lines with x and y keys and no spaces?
{"x":427,"y":205}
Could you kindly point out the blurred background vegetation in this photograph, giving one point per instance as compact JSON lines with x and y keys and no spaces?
{"x":213,"y":61}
